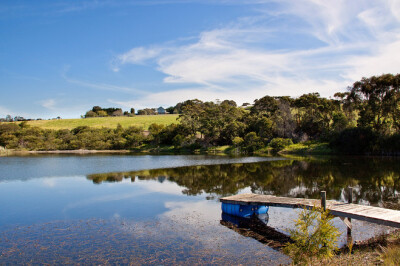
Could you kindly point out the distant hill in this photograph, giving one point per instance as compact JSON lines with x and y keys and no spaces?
{"x":143,"y":121}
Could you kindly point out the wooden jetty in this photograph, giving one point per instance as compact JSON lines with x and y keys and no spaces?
{"x":345,"y":211}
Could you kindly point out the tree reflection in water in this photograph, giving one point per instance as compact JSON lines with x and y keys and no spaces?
{"x":376,"y":180}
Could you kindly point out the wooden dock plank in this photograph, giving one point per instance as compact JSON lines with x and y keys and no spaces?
{"x":361,"y":212}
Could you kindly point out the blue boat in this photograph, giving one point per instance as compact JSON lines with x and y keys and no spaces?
{"x":244,"y":211}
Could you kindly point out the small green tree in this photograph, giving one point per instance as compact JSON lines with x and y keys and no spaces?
{"x":155,"y":132}
{"x":314,"y":236}
{"x":237,"y":141}
{"x":90,"y":114}
{"x":252,"y":142}
{"x":278,"y":144}
{"x":102,"y":113}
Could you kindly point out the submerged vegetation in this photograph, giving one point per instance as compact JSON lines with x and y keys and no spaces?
{"x":364,"y":120}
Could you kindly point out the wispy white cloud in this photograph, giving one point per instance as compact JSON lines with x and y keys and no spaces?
{"x":253,"y":57}
{"x":170,"y":97}
{"x":331,"y":22}
{"x":49,"y":104}
{"x":103,"y":86}
{"x":137,"y":55}
{"x":386,"y":59}
{"x":58,"y":106}
{"x":283,"y":87}
{"x":99,"y":86}
{"x":66,"y":7}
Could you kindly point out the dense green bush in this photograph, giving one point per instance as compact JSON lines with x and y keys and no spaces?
{"x":24,"y":137}
{"x":278,"y":144}
{"x":252,"y":142}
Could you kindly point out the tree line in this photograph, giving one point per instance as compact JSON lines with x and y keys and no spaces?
{"x":18,"y":118}
{"x":365,"y":119}
{"x":97,"y":111}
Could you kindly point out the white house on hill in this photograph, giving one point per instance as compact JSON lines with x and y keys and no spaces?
{"x":161,"y":111}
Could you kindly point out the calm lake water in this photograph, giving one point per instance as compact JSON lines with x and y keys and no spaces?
{"x":119,"y":209}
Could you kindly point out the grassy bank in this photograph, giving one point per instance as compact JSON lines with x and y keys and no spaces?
{"x":149,"y":148}
{"x":295,"y":149}
{"x":308,"y":148}
{"x":142,"y":121}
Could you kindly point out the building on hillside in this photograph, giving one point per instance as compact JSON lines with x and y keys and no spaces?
{"x":246,"y":105}
{"x":161,"y":111}
{"x":19,"y":118}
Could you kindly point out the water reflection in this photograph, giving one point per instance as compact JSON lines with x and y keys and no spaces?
{"x":54,"y":215}
{"x":376,"y":180}
{"x":26,"y":168}
{"x":255,"y":228}
{"x":185,"y":234}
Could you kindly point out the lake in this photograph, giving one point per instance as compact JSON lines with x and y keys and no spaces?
{"x":164,"y":209}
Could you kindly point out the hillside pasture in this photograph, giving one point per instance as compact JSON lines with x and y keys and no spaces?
{"x":142,"y":121}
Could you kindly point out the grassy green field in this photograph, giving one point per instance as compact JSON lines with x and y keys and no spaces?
{"x":307,"y":148}
{"x":142,"y":121}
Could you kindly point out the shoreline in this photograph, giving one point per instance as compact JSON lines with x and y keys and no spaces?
{"x":317,"y":149}
{"x":16,"y":152}
{"x":81,"y":151}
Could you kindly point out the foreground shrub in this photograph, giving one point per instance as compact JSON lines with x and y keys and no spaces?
{"x":314,"y":236}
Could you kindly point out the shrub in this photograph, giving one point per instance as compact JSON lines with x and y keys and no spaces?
{"x":134,"y":137}
{"x":177,"y":140}
{"x":237,"y":141}
{"x":278,"y":144}
{"x":314,"y":236}
{"x":252,"y":142}
{"x":191,"y":143}
{"x":90,"y":114}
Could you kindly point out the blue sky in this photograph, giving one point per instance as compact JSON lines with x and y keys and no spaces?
{"x":60,"y":58}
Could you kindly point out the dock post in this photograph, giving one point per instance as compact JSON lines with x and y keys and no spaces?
{"x":323,"y":203}
{"x":323,"y":200}
{"x":350,"y":200}
{"x":350,"y":195}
